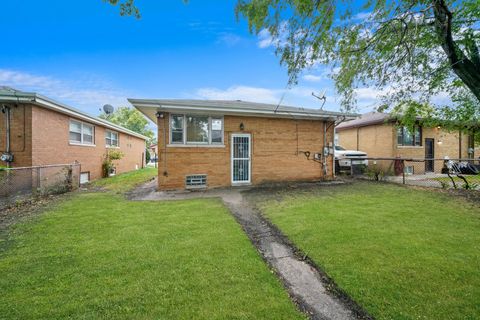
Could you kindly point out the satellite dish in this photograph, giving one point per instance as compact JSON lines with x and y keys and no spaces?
{"x":108,"y":109}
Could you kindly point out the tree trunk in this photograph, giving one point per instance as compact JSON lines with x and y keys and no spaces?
{"x":463,"y":67}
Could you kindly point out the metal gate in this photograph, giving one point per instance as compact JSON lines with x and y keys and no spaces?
{"x":241,"y":158}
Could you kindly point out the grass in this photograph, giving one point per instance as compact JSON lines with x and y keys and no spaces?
{"x":98,"y":255}
{"x":472,"y":179}
{"x":124,"y":182}
{"x":401,"y":253}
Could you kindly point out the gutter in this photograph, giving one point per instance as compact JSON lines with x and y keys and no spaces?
{"x":52,"y":105}
{"x":7,"y":156}
{"x":240,"y":112}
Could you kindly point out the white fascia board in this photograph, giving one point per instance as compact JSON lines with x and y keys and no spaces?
{"x":49,"y":104}
{"x":236,"y":111}
{"x":53,"y":106}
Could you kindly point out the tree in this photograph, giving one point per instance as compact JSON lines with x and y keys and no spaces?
{"x":127,"y":7}
{"x":131,"y":119}
{"x":407,"y":49}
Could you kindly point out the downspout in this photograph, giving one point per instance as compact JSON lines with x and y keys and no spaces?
{"x":325,"y":154}
{"x":7,"y":155}
{"x":323,"y":151}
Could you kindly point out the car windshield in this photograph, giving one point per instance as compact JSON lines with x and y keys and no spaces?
{"x":339,"y":148}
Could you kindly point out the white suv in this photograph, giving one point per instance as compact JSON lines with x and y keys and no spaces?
{"x":344,"y":159}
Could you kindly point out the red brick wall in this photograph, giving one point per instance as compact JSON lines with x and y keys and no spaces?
{"x":50,"y":132}
{"x":20,"y":135}
{"x":277,"y":153}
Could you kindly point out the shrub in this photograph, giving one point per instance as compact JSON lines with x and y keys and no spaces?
{"x":108,"y":161}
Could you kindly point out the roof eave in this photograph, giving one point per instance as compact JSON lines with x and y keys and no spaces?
{"x":140,"y":105}
{"x":26,"y":97}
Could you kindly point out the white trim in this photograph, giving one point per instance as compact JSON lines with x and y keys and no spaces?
{"x":185,"y":143}
{"x":88,"y":177}
{"x":82,"y":124}
{"x":249,"y":181}
{"x":409,"y":147}
{"x":62,"y":109}
{"x":118,"y":139}
{"x":76,"y":144}
{"x":178,"y":145}
{"x":41,"y":101}
{"x":304,"y":114}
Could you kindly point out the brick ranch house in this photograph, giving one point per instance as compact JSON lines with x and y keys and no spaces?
{"x":229,"y":143}
{"x":379,"y":136}
{"x":45,"y":132}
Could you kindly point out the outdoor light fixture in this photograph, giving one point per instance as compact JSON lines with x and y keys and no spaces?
{"x":159,"y":115}
{"x":242,"y":126}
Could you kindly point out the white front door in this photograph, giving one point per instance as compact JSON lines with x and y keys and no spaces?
{"x":241,"y":158}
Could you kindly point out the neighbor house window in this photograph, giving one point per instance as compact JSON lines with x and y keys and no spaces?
{"x":81,"y":132}
{"x":405,"y":137}
{"x":111,"y":138}
{"x":196,"y":129}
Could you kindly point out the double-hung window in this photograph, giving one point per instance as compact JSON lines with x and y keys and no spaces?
{"x":196,"y":129}
{"x":81,"y":133}
{"x":111,"y":138}
{"x":406,"y":137}
{"x":176,"y":129}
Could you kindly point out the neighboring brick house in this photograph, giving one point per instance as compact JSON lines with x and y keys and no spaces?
{"x":153,"y":149}
{"x":379,"y":136}
{"x":45,"y":132}
{"x":229,"y":143}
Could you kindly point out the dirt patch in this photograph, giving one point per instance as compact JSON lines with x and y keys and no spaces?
{"x":25,"y":209}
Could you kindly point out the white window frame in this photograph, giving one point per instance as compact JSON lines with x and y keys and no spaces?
{"x":82,"y":125}
{"x":88,"y":177}
{"x":118,"y":139}
{"x":184,"y":142}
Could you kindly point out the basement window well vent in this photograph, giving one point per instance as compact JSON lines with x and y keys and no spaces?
{"x":196,"y":181}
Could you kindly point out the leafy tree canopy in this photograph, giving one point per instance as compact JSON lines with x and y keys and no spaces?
{"x":131,"y":119}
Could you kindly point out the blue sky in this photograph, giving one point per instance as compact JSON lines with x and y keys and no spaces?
{"x":85,"y":54}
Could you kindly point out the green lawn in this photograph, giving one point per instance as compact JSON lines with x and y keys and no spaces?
{"x":472,"y":179}
{"x":97,"y":255}
{"x":401,"y":253}
{"x":126,"y":181}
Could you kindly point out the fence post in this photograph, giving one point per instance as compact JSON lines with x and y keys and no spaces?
{"x":39,"y":179}
{"x":403,"y":171}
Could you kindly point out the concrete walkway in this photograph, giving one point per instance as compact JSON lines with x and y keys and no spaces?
{"x":306,"y":285}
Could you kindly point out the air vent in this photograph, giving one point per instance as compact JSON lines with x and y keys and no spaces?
{"x":196,"y":181}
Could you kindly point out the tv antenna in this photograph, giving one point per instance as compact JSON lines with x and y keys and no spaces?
{"x":321,"y":97}
{"x":108,"y":109}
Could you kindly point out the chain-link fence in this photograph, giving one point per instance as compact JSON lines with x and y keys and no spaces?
{"x":21,"y":183}
{"x":438,"y":173}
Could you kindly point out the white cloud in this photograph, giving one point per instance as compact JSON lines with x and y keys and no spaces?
{"x":368,"y":94}
{"x":229,"y":39}
{"x":240,"y":93}
{"x":312,"y":78}
{"x":264,"y":39}
{"x":297,"y":96}
{"x":362,"y":16}
{"x":88,"y":93}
